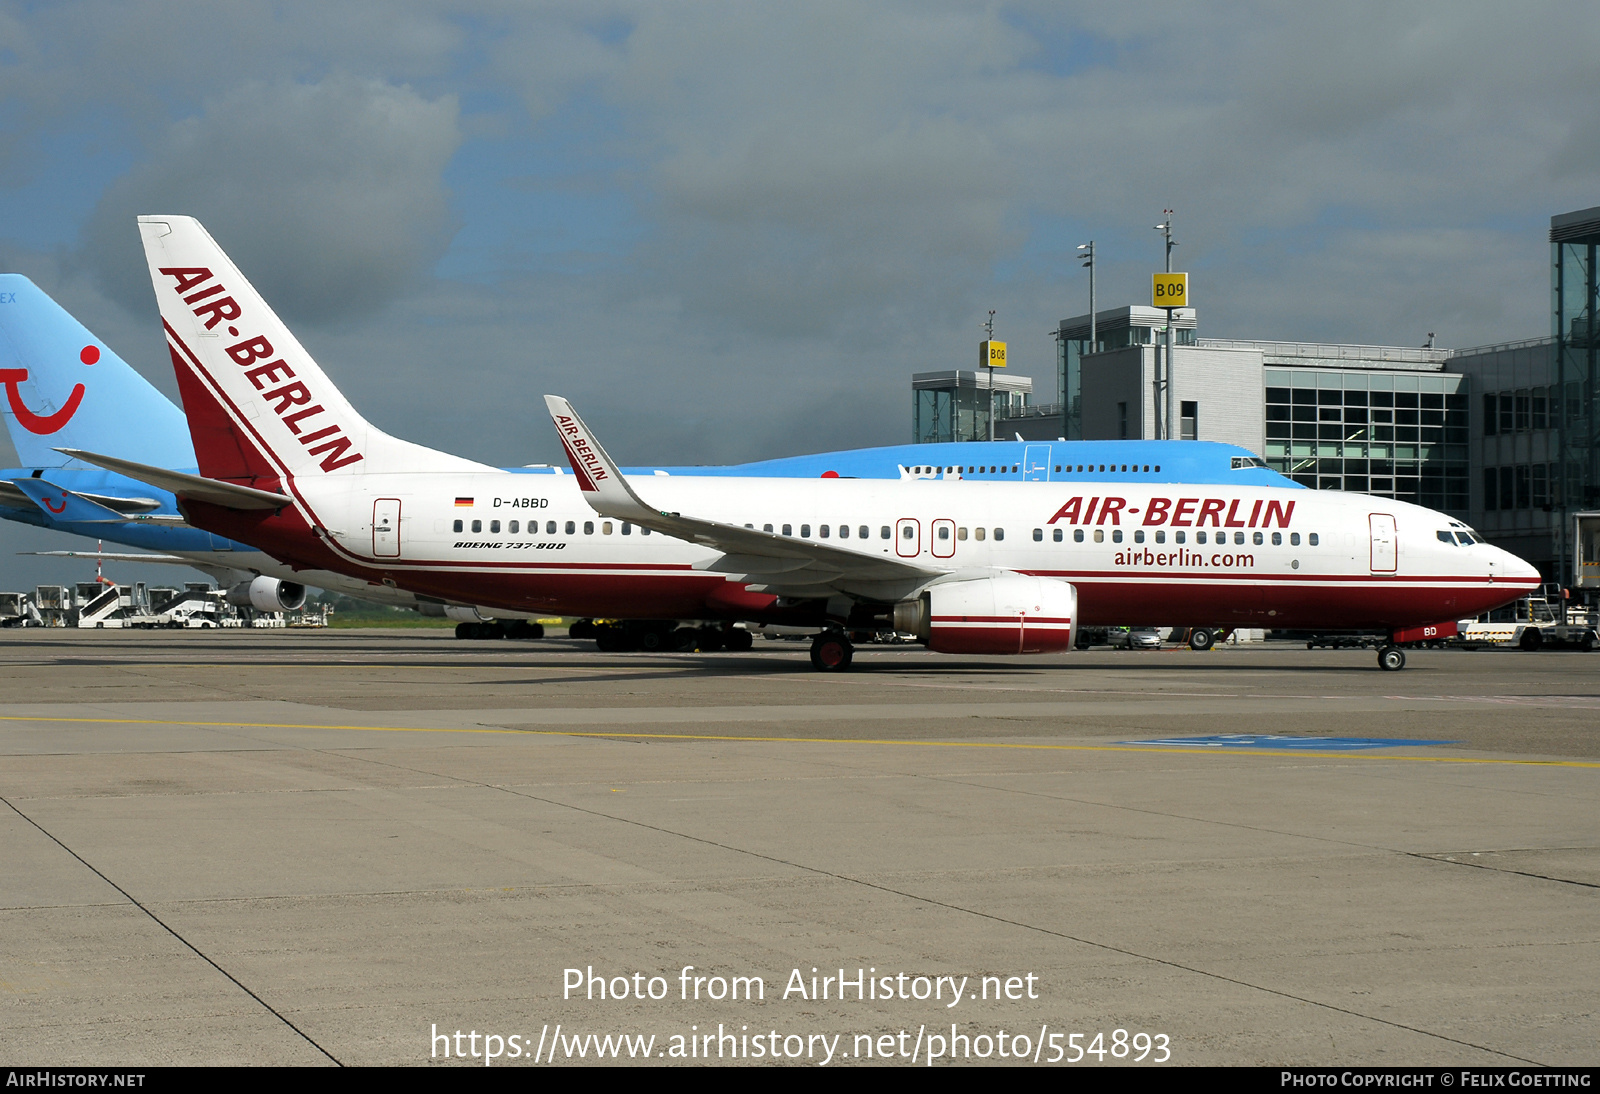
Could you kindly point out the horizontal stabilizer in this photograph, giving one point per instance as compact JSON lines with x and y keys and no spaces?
{"x":212,"y":491}
{"x":64,"y":505}
{"x":107,"y":556}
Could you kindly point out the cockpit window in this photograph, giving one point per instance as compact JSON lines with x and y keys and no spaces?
{"x":1240,"y":462}
{"x":1465,"y":539}
{"x":1446,"y":537}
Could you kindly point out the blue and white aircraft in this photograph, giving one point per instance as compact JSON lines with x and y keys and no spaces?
{"x":66,"y":389}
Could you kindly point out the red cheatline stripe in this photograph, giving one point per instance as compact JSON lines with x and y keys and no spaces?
{"x":1032,"y":619}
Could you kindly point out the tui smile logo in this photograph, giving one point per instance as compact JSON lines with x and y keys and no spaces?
{"x":44,"y":424}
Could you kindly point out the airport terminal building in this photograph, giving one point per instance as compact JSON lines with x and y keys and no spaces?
{"x":1504,"y":436}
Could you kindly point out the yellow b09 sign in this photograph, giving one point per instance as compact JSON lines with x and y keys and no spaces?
{"x":1169,"y":290}
{"x":991,"y":354}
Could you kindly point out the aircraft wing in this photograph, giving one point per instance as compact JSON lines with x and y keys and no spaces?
{"x":225,"y":494}
{"x":772,"y":563}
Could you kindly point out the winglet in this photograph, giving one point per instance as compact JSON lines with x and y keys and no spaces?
{"x":599,"y":479}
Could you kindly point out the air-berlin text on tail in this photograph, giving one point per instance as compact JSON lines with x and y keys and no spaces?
{"x":579,"y":449}
{"x":1179,"y":512}
{"x":290,"y":398}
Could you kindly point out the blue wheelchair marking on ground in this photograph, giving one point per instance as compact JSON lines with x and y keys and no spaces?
{"x":1288,"y":744}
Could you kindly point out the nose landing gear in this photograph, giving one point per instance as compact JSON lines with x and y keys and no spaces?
{"x":1391,"y":658}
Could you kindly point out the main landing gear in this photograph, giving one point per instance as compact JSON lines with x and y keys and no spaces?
{"x":831,"y":651}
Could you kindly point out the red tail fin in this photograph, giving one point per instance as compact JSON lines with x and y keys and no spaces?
{"x":221,"y":448}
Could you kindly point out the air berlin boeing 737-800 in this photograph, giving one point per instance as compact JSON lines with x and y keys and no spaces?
{"x":286,"y":464}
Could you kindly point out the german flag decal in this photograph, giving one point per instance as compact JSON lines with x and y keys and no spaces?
{"x":463,"y":503}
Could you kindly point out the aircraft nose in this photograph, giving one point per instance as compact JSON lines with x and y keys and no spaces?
{"x":1510,"y":567}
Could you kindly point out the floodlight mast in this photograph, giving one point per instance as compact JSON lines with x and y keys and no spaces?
{"x":988,"y":329}
{"x":1066,"y":395}
{"x":1165,"y":227}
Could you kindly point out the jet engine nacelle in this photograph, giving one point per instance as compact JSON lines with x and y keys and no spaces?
{"x":268,"y":594}
{"x":1008,"y":613}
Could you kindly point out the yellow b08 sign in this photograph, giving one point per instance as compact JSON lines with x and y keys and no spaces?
{"x":991,"y":354}
{"x":1169,"y":290}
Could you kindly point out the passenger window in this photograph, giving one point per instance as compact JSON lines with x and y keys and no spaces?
{"x":513,"y":527}
{"x":766,"y":527}
{"x":864,"y":532}
{"x":944,"y":532}
{"x":1199,"y":537}
{"x":1077,"y":535}
{"x":1277,"y":539}
{"x":844,"y":531}
{"x":788,"y":529}
{"x":1179,"y":537}
{"x":588,"y":527}
{"x":605,"y":527}
{"x":805,"y":531}
{"x":494,"y":527}
{"x":571,"y":528}
{"x":909,"y":532}
{"x":1294,"y":539}
{"x":1138,"y":535}
{"x":1161,"y":535}
{"x":550,"y":528}
{"x":1312,"y":539}
{"x":1238,"y":539}
{"x":644,"y":531}
{"x":1038,"y":535}
{"x":884,"y":533}
{"x":458,"y":526}
{"x":961,"y":533}
{"x":1099,"y":535}
{"x":822,"y":530}
{"x":999,"y":533}
{"x":1257,"y":539}
{"x":1116,"y":535}
{"x":1056,"y":535}
{"x":627,"y":529}
{"x":477,"y":526}
{"x":977,"y":533}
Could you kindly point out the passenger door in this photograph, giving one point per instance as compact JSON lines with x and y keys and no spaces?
{"x":1385,"y":552}
{"x":1036,"y":463}
{"x":944,"y":538}
{"x":386,"y":528}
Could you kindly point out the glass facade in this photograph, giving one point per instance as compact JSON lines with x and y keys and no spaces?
{"x":961,"y":411}
{"x":1401,"y":435}
{"x":1117,"y":332}
{"x":1573,"y":278}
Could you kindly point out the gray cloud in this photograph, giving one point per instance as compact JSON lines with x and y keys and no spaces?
{"x":328,"y":195}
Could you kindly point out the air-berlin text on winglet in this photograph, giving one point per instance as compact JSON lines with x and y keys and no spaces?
{"x":214,"y":306}
{"x":579,"y":448}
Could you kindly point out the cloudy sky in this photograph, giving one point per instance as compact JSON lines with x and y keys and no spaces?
{"x":730,"y":231}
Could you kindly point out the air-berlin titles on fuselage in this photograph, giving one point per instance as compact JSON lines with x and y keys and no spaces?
{"x":213,"y":306}
{"x":1179,"y":513}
